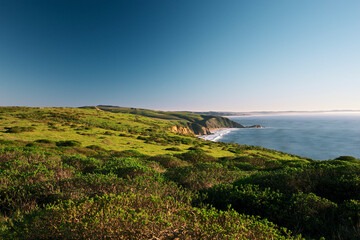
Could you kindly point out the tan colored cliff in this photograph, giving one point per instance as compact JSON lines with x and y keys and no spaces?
{"x":182,"y":130}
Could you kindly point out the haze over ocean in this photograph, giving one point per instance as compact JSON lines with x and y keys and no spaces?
{"x":181,"y":55}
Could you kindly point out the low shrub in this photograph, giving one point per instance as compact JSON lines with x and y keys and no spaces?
{"x":173,"y":149}
{"x":348,"y":159}
{"x":142,"y":138}
{"x":127,"y":153}
{"x":202,"y":175}
{"x":109,"y":133}
{"x":82,"y":164}
{"x":96,"y":148}
{"x":125,"y":167}
{"x":195,"y":148}
{"x":28,"y":178}
{"x":17,"y":129}
{"x":168,"y":161}
{"x":195,"y":156}
{"x":68,"y":143}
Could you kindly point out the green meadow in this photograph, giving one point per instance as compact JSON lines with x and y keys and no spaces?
{"x":122,"y":173}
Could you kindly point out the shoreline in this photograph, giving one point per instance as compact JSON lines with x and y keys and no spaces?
{"x":217,"y":134}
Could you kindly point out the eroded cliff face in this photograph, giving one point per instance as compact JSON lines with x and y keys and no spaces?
{"x":182,"y":130}
{"x":199,"y":129}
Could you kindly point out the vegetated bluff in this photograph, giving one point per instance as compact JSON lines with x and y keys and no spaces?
{"x":184,"y":122}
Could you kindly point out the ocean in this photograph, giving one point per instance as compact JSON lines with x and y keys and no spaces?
{"x":319,"y":136}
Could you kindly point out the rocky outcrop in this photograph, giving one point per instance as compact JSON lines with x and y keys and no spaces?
{"x":182,"y":130}
{"x":255,"y":126}
{"x":199,"y":129}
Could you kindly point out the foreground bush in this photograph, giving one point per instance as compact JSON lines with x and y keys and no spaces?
{"x":168,"y":161}
{"x":131,"y":216}
{"x":27,"y":176}
{"x":304,"y":213}
{"x":202,"y":175}
{"x":331,"y":180}
{"x":195,"y":156}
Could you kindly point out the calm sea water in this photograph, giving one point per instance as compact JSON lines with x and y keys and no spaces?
{"x":317,"y":136}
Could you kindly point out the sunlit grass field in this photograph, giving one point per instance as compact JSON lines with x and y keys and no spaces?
{"x":111,"y":131}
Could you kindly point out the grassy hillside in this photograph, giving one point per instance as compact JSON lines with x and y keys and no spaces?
{"x":197,"y":123}
{"x":68,"y":173}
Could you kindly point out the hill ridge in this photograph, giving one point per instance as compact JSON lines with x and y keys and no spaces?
{"x":183,"y":122}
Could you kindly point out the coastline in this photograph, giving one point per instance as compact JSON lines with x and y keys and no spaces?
{"x":217,"y":134}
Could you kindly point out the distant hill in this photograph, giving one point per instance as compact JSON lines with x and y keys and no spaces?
{"x":183,"y":122}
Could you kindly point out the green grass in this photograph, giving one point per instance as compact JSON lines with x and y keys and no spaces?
{"x":111,"y":131}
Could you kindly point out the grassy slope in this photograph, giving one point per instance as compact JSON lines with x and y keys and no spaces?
{"x":176,"y":116}
{"x":186,"y":119}
{"x":93,"y":127}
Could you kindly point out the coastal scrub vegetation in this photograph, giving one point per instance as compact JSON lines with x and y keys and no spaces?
{"x":69,"y":173}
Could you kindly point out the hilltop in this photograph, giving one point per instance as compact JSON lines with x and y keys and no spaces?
{"x":183,"y":122}
{"x":107,"y":127}
{"x":120,"y":173}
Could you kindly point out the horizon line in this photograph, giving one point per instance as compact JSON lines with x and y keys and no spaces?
{"x":200,"y":111}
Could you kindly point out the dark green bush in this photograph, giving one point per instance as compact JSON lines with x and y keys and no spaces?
{"x":334,"y":182}
{"x":195,"y":148}
{"x":302,"y":213}
{"x":195,"y":156}
{"x":234,"y":164}
{"x":68,"y":143}
{"x":168,"y":161}
{"x":127,"y":153}
{"x":17,"y":129}
{"x":109,"y":133}
{"x":125,"y":167}
{"x":27,"y":178}
{"x":173,"y":149}
{"x":82,"y":164}
{"x":348,"y":159}
{"x":4,"y":142}
{"x":96,"y":148}
{"x":44,"y":141}
{"x":202,"y":175}
{"x":142,"y":138}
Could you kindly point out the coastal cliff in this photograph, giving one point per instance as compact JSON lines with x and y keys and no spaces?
{"x":182,"y":130}
{"x":206,"y":125}
{"x":186,"y":123}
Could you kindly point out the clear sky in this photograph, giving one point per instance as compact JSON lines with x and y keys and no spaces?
{"x":181,"y":54}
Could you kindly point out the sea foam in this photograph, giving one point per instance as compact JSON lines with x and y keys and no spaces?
{"x":218,"y":134}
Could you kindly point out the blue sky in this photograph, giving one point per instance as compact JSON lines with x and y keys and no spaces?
{"x":181,"y":55}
